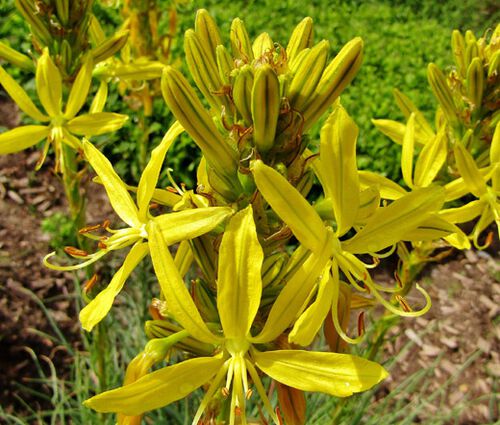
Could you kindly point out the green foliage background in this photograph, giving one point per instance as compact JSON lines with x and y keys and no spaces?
{"x":401,"y":38}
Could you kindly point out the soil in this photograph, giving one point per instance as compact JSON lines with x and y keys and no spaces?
{"x":463,"y":321}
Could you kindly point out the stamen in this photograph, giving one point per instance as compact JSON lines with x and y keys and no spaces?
{"x":102,"y":245}
{"x":105,"y":224}
{"x":248,"y":394}
{"x":398,"y":279}
{"x":172,"y":181}
{"x":225,"y":392}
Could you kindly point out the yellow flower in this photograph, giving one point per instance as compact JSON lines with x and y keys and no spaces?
{"x":59,"y":126}
{"x":376,"y":228}
{"x":237,"y":353}
{"x":177,"y":226}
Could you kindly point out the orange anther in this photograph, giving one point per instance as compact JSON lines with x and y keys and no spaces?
{"x":361,"y":323}
{"x":90,"y":283}
{"x":75,"y":252}
{"x":89,"y":229}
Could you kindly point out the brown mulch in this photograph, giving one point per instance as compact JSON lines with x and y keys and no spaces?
{"x":457,"y":341}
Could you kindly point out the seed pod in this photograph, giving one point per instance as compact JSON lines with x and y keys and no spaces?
{"x":475,"y":82}
{"x":187,"y":108}
{"x":242,"y":92}
{"x":265,"y":107}
{"x":301,"y":38}
{"x":458,"y":47}
{"x":225,"y":64}
{"x":204,"y":70}
{"x":338,"y":74}
{"x":442,"y":92}
{"x":262,"y":44}
{"x":307,"y":75}
{"x":207,"y":31}
{"x":15,"y":58}
{"x":240,"y":41}
{"x":109,"y":47}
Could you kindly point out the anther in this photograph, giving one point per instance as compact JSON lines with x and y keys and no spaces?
{"x":102,"y":245}
{"x":88,"y":229}
{"x":225,"y":392}
{"x":361,"y":323}
{"x":90,"y":284}
{"x":249,"y":394}
{"x":75,"y":252}
{"x":402,"y":302}
{"x":237,"y":411}
{"x":105,"y":224}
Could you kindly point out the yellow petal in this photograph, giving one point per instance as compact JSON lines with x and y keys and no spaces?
{"x":340,"y":172}
{"x":179,"y":302}
{"x":301,"y":38}
{"x":291,"y":299}
{"x":407,"y":153}
{"x":96,"y":123}
{"x":239,"y":284}
{"x":149,"y":177}
{"x":458,"y":188}
{"x":309,"y":323}
{"x":49,"y":84}
{"x":189,"y":224}
{"x":389,"y":225}
{"x":20,"y":138}
{"x":99,"y":307}
{"x":392,"y":129}
{"x":408,"y":108}
{"x":80,"y":88}
{"x":431,"y":159}
{"x":465,"y":213}
{"x":469,"y":171}
{"x":20,"y":97}
{"x":436,"y":227}
{"x":340,"y":375}
{"x":100,"y":98}
{"x":120,"y":199}
{"x":290,"y":205}
{"x":369,"y":201}
{"x":387,"y":188}
{"x":157,"y":389}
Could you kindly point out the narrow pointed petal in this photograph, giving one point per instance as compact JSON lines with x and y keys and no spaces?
{"x":99,"y":307}
{"x":407,"y":108}
{"x":389,"y":225}
{"x":387,"y":188}
{"x":100,"y":98}
{"x":96,"y":123}
{"x":293,"y":296}
{"x":431,"y":159}
{"x":189,"y":224}
{"x":179,"y":302}
{"x":118,"y":195}
{"x":80,"y":88}
{"x":340,"y":375}
{"x":437,"y":227}
{"x":392,"y":129}
{"x":157,"y":389}
{"x":149,"y":177}
{"x":465,"y":213}
{"x":20,"y":138}
{"x":407,"y":153}
{"x":20,"y":97}
{"x":291,"y":206}
{"x":309,"y":323}
{"x":340,"y":172}
{"x":49,"y":84}
{"x":469,"y":171}
{"x":239,"y":284}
